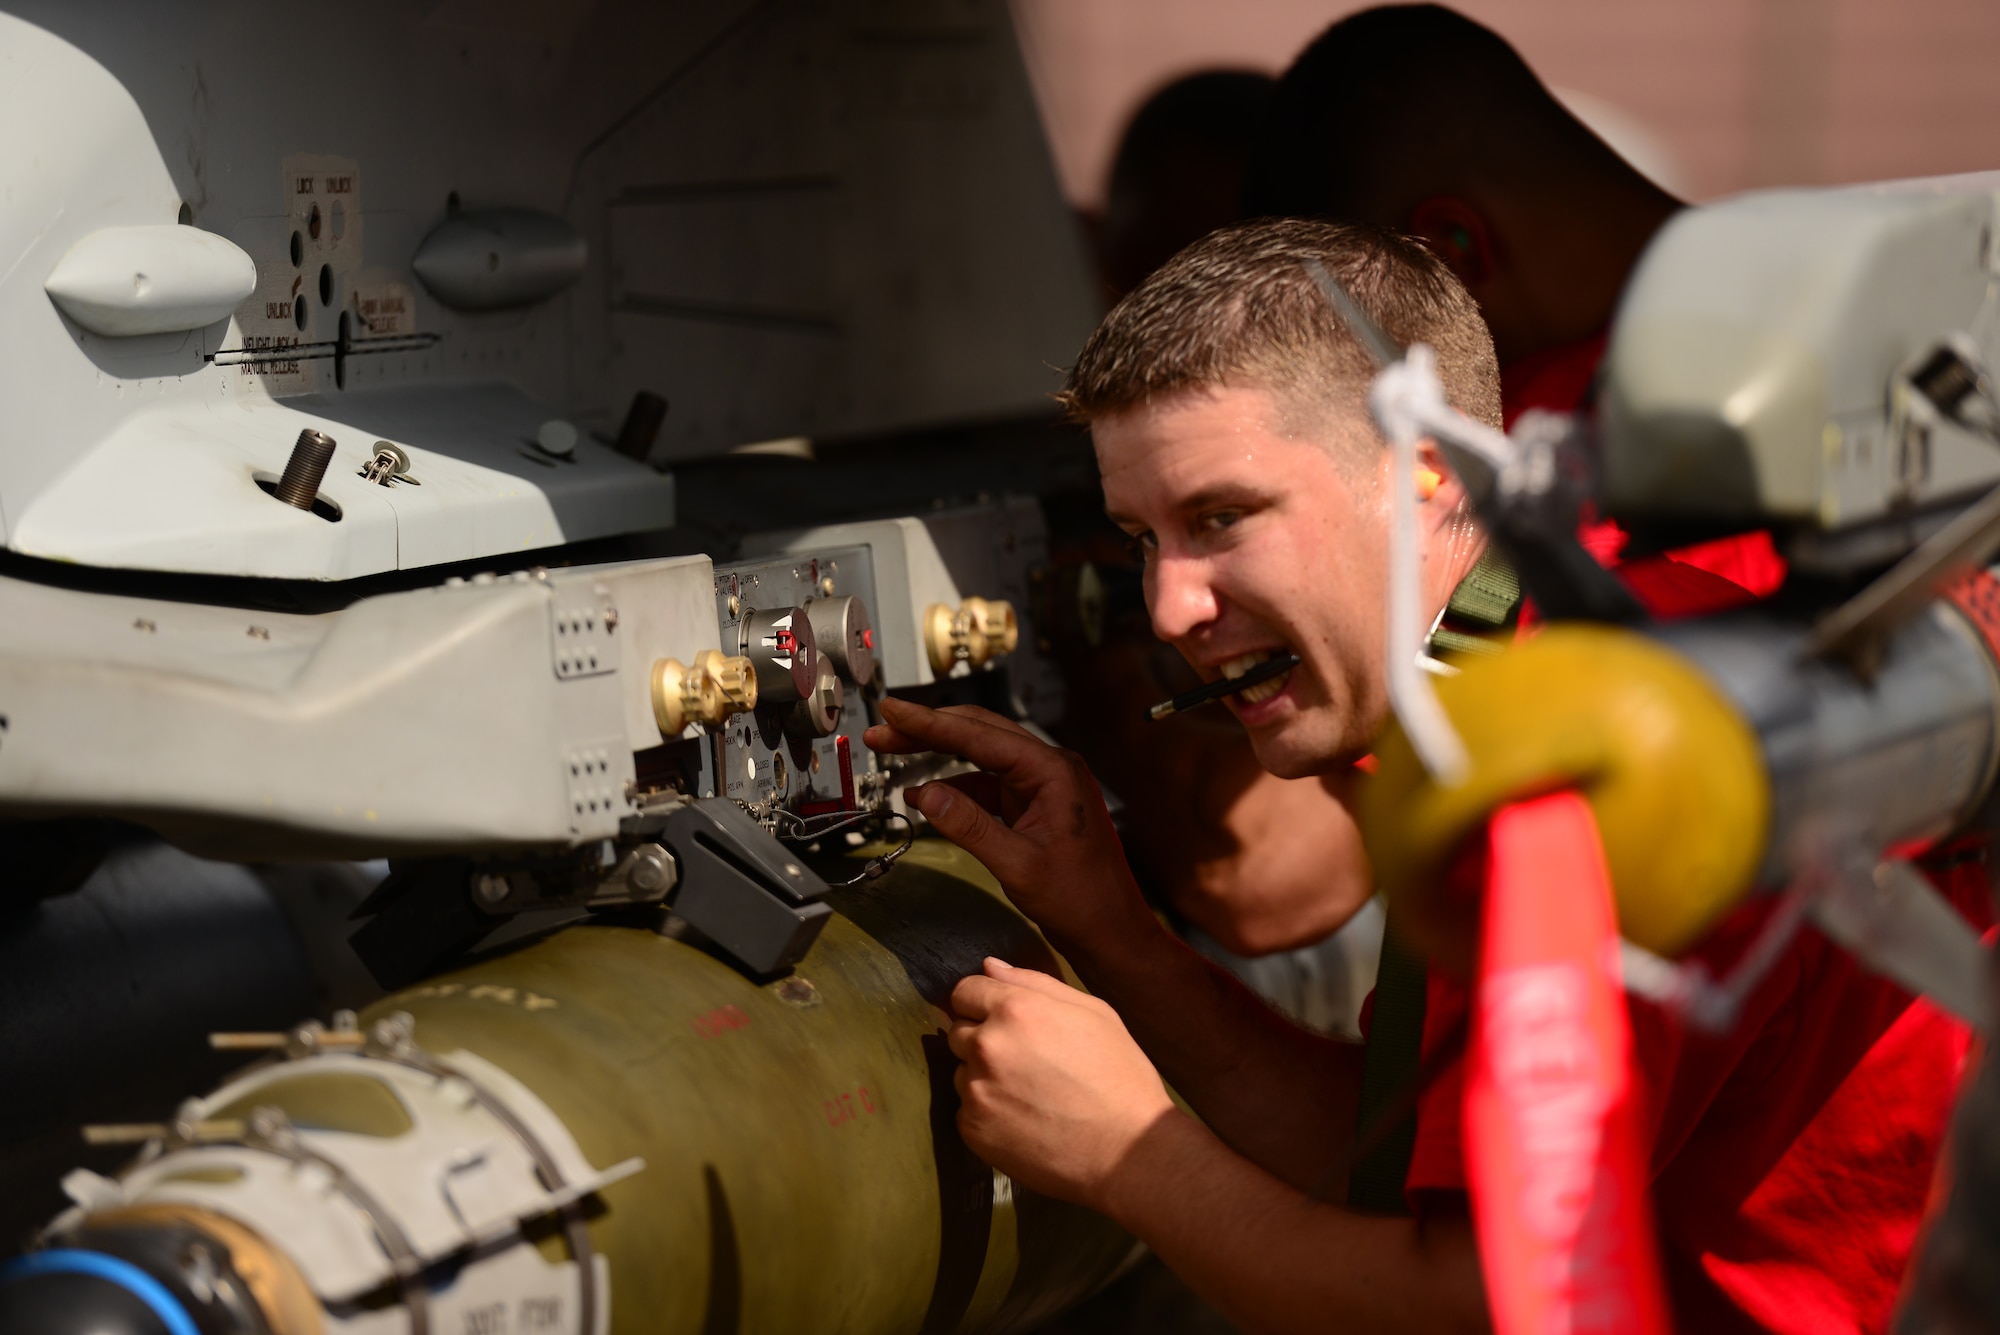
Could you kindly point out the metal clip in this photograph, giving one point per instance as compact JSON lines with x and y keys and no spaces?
{"x":390,"y":465}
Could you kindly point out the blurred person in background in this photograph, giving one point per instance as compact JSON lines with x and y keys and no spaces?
{"x":1417,"y":119}
{"x":1180,"y":170}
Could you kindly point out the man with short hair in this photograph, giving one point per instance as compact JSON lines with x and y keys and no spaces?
{"x":1225,"y":402}
{"x":1227,"y":407}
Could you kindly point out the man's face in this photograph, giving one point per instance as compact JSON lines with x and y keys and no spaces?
{"x":1257,"y":541}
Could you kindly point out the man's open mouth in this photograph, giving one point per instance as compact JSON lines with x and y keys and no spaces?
{"x":1263,"y":690}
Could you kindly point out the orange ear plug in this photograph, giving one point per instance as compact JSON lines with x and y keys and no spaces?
{"x":1428,"y":481}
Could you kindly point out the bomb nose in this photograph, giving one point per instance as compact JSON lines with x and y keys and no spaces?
{"x":174,"y":1271}
{"x":66,"y":1291}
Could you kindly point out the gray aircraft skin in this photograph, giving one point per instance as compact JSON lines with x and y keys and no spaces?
{"x":342,"y":522}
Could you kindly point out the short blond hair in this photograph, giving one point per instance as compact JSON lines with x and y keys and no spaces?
{"x":1240,"y":307}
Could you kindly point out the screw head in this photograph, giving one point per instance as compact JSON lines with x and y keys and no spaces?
{"x":651,"y":871}
{"x":798,"y":991}
{"x":489,"y":889}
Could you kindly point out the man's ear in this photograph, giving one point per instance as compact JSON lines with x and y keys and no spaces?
{"x":1439,"y":489}
{"x":1457,"y":233}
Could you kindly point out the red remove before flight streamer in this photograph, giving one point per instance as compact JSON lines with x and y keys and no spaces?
{"x":1789,"y":1159}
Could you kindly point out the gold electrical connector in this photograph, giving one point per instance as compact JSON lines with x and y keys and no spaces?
{"x":717,"y":686}
{"x":981,"y":630}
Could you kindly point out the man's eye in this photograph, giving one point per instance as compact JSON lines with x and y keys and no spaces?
{"x":1218,"y":519}
{"x":1143,"y":545}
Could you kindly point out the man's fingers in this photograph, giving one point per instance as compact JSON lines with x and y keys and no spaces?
{"x":963,"y":821}
{"x":1032,"y":980}
{"x":987,"y":745}
{"x":889,"y":740}
{"x":985,"y":715}
{"x":886,"y":740}
{"x":959,"y":1040}
{"x":973,"y":1000}
{"x":983,"y":788}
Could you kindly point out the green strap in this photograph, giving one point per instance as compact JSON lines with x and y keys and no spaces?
{"x":1487,"y":600}
{"x":1395,"y":1051}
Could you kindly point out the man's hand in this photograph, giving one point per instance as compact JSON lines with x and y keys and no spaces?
{"x":1035,"y":818}
{"x":1276,"y":1093}
{"x":1053,"y":1091}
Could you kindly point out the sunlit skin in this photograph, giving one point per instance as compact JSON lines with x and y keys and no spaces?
{"x":1262,"y":535}
{"x":1259,"y":536}
{"x":1259,"y":863}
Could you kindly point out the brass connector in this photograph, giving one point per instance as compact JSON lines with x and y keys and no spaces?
{"x":716,"y":686}
{"x":981,"y":630}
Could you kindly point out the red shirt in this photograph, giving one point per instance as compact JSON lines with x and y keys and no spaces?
{"x":1559,"y":380}
{"x":1791,"y":1157}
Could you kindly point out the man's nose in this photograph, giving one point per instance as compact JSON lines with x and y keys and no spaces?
{"x":1179,"y":596}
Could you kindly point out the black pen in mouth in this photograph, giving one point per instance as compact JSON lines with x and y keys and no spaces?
{"x":1268,"y":670}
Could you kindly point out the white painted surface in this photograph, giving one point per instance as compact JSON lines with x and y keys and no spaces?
{"x":130,"y":443}
{"x":160,"y":279}
{"x":910,"y":575}
{"x":499,"y":258}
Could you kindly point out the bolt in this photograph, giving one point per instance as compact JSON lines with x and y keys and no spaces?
{"x":652,"y":871}
{"x":489,"y":889}
{"x":798,"y":992}
{"x":826,"y":587}
{"x":610,"y":620}
{"x":306,"y":469}
{"x":271,"y":1126}
{"x":557,"y":438}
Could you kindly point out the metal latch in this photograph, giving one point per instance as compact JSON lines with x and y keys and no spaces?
{"x":742,"y":889}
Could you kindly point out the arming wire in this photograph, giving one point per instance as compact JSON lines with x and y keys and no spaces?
{"x":793,"y":828}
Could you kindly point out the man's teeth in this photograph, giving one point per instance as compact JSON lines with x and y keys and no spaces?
{"x":1263,"y":690}
{"x":1236,"y":667}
